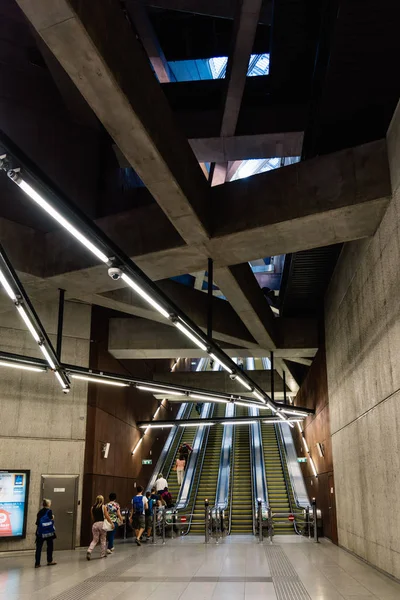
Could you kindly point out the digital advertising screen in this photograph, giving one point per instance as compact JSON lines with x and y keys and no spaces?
{"x":14,"y":487}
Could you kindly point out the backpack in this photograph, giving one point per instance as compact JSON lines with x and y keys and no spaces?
{"x":166,"y":496}
{"x":137,"y":503}
{"x":46,"y":526}
{"x":151,"y":505}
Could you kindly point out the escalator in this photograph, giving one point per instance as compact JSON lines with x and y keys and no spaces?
{"x":279,"y":501}
{"x":209,"y":473}
{"x":241,"y":509}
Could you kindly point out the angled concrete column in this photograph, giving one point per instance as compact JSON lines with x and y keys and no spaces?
{"x":110,"y":68}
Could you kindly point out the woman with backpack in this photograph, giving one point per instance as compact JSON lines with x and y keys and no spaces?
{"x":45,"y":532}
{"x":100,"y":517}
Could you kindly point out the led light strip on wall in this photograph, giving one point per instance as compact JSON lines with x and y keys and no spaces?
{"x":307,"y":449}
{"x":121,"y":267}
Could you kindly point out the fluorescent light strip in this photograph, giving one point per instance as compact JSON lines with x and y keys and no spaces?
{"x":294,"y":412}
{"x":238,"y":422}
{"x":59,"y":218}
{"x":28,"y":323}
{"x":223,"y":365}
{"x":196,"y":424}
{"x":313,"y":467}
{"x":156,"y":390}
{"x":250,"y":404}
{"x":155,"y":426}
{"x":271,"y":407}
{"x":137,"y":446}
{"x":7,"y":287}
{"x":156,"y":413}
{"x":243,"y":382}
{"x":145,"y":295}
{"x":258,"y":395}
{"x":191,"y":336}
{"x":100,"y":380}
{"x":281,"y":416}
{"x":277,"y":421}
{"x":299,"y":426}
{"x":306,"y":448}
{"x":208,"y":398}
{"x":61,"y":381}
{"x":4,"y":363}
{"x":47,"y":356}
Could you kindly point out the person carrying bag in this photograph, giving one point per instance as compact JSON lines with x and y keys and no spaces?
{"x":100,"y":519}
{"x":45,"y":532}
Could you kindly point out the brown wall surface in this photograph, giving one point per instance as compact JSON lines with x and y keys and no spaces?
{"x":314,"y":394}
{"x":111,"y":417}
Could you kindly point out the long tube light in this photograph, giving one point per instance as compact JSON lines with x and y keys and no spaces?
{"x":146,"y":388}
{"x":250,"y":404}
{"x":243,"y":383}
{"x":313,"y":467}
{"x":281,"y":416}
{"x":223,"y":365}
{"x":7,"y":287}
{"x":145,"y":295}
{"x":196,"y":424}
{"x":47,"y":356}
{"x":155,"y":426}
{"x":33,"y":194}
{"x":61,"y":381}
{"x":137,"y":446}
{"x":258,"y":395}
{"x":29,"y":325}
{"x":100,"y":380}
{"x":271,"y":407}
{"x":208,"y":398}
{"x":233,"y":422}
{"x":191,"y":336}
{"x":294,"y":412}
{"x":4,"y":363}
{"x":277,"y":421}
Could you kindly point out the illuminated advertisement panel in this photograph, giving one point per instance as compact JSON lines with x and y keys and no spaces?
{"x":14,"y":487}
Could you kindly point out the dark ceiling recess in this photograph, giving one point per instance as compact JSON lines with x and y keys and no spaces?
{"x":305,"y":279}
{"x":186,"y":36}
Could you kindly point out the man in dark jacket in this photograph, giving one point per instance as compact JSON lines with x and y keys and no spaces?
{"x":45,"y":533}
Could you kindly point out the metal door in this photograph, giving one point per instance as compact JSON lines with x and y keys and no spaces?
{"x":62,"y":490}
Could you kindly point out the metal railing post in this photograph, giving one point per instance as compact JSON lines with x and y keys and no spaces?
{"x":206,"y":523}
{"x":217,"y":525}
{"x":154,"y":523}
{"x":163,"y":525}
{"x":270,"y":525}
{"x":314,"y":507}
{"x":308,"y":530}
{"x":260,"y":531}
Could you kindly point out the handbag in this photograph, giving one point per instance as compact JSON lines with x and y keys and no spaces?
{"x":106,"y":524}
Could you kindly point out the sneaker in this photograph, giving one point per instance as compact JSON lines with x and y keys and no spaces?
{"x":87,"y":555}
{"x":138,"y":542}
{"x":50,"y":564}
{"x":37,"y":566}
{"x":108,"y":551}
{"x":112,"y":549}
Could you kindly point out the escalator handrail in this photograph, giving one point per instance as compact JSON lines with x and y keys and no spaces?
{"x":225,"y":462}
{"x":281,"y":440}
{"x":232,"y":478}
{"x":200,"y":468}
{"x":175,"y":431}
{"x":259,"y":480}
{"x":190,"y":472}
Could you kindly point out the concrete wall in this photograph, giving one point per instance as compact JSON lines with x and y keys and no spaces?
{"x":363,"y":348}
{"x":41,"y":428}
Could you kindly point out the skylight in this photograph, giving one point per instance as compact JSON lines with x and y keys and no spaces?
{"x":215,"y":68}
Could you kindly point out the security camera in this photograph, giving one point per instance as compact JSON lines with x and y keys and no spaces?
{"x":115,"y":273}
{"x":232,"y":376}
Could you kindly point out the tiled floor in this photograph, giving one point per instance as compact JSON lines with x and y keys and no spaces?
{"x":237,"y":569}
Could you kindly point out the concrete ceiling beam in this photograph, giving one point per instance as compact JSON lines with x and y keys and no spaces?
{"x":97,"y":48}
{"x":242,"y":147}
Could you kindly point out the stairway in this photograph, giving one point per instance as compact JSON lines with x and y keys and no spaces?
{"x":277,"y":494}
{"x":209,"y":472}
{"x":241,"y":496}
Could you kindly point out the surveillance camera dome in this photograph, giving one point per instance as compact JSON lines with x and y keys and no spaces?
{"x":232,"y":376}
{"x":115,"y":273}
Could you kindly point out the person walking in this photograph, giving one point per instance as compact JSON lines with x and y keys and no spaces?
{"x":99,"y":514}
{"x":114,"y":512}
{"x":161,"y":483}
{"x":137,"y":516}
{"x":180,"y":468}
{"x":184,"y":451}
{"x":45,"y":532}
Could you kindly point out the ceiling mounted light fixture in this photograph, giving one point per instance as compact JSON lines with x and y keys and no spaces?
{"x":208,"y":398}
{"x":258,"y":395}
{"x":5,"y":363}
{"x":223,"y":365}
{"x":190,"y":335}
{"x":243,"y":383}
{"x":156,"y":426}
{"x":100,"y":380}
{"x":145,"y":295}
{"x":155,"y":390}
{"x":7,"y":286}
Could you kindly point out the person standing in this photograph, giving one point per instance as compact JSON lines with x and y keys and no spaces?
{"x":114,"y":512}
{"x":161,"y":483}
{"x":99,"y":514}
{"x":180,"y":468}
{"x":45,"y":532}
{"x":137,"y":517}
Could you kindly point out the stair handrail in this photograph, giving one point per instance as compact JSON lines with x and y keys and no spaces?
{"x":259,"y":480}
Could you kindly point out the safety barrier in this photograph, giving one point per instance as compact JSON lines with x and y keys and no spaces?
{"x":266,"y":522}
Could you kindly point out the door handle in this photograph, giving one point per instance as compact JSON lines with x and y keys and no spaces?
{"x":69,"y":512}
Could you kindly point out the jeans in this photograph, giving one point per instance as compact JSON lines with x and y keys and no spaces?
{"x":110,"y":537}
{"x":39,"y":545}
{"x":98,"y":534}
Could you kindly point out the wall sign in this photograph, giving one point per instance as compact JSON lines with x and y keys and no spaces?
{"x":147,"y":461}
{"x":302,"y":459}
